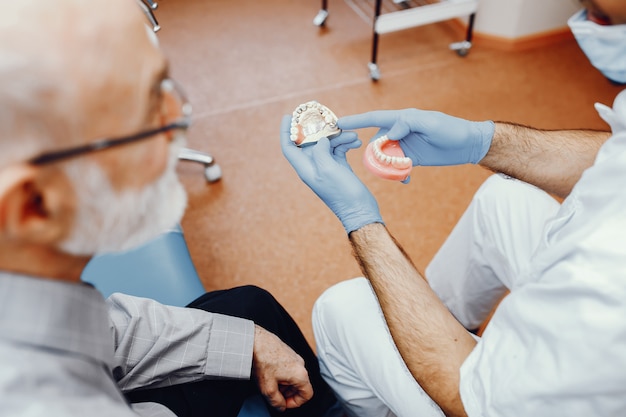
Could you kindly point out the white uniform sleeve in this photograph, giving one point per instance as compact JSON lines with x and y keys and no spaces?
{"x":556,"y":345}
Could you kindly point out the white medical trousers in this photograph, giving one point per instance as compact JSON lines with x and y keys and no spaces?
{"x":471,"y":272}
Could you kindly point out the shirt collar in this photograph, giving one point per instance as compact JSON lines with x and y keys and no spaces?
{"x":49,"y":314}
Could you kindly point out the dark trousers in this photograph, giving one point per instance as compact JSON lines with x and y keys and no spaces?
{"x":223,"y":398}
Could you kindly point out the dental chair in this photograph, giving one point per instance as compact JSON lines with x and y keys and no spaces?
{"x":161,"y":269}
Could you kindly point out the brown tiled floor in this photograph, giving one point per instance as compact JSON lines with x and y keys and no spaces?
{"x":248,"y":62}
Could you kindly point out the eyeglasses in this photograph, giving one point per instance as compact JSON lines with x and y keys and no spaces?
{"x":169,"y":88}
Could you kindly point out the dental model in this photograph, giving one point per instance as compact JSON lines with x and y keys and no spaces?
{"x":384,"y":157}
{"x":312,"y":121}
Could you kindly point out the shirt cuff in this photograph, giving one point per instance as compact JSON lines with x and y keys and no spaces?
{"x":229,"y":352}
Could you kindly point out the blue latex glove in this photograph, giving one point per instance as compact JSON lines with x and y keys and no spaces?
{"x":323,"y":167}
{"x":427,"y":137}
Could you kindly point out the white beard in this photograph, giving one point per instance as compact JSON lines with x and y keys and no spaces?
{"x":110,"y":221}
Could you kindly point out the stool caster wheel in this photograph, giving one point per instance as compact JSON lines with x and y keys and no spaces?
{"x":320,"y":19}
{"x":374,"y":71}
{"x":461,"y":48}
{"x":213,"y":173}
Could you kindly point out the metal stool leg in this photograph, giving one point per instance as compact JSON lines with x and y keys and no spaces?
{"x":462,"y":48}
{"x":373,"y":66}
{"x":320,"y":18}
{"x":147,"y":10}
{"x":152,"y":4}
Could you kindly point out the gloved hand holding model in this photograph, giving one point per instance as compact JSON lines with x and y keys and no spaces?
{"x":514,"y":237}
{"x":323,"y":167}
{"x":428,"y":137}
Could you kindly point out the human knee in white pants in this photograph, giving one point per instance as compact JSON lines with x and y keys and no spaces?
{"x":489,"y":247}
{"x":358,"y":358}
{"x":479,"y":261}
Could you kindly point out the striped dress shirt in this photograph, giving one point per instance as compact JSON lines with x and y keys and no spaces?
{"x":65,"y":351}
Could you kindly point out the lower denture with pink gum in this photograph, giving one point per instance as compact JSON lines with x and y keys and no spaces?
{"x":384,"y":157}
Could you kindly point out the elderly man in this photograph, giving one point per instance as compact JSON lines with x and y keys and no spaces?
{"x":399,"y":343}
{"x":70,"y":77}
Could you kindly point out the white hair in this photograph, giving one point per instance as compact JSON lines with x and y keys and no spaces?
{"x":43,"y":47}
{"x":110,"y":221}
{"x":53,"y":58}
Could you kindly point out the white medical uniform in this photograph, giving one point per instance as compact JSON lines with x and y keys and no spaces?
{"x":556,"y":345}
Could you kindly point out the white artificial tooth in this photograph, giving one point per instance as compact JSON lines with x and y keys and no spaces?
{"x":294,"y":138}
{"x":328,"y":119}
{"x":403,"y":163}
{"x":294,"y":130}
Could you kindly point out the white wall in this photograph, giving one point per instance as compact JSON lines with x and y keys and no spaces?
{"x":518,"y":18}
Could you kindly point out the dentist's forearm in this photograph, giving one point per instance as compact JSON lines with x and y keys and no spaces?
{"x":431,"y":341}
{"x":552,"y":160}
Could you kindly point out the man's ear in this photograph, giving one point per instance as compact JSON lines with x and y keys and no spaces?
{"x":36,"y":204}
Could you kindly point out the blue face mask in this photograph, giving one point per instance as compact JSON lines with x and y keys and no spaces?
{"x":605,"y":46}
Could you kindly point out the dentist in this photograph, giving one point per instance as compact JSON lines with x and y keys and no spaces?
{"x":396,"y":342}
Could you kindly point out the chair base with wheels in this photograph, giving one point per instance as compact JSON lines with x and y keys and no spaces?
{"x":212,"y":171}
{"x":406,"y":16}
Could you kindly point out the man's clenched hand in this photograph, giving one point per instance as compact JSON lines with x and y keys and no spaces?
{"x":279,"y":371}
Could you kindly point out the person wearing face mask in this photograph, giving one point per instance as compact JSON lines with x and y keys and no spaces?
{"x":602,"y":37}
{"x":398,"y":342}
{"x":67,"y":193}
